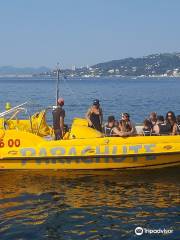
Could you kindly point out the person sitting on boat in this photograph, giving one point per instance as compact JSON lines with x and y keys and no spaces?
{"x":153,"y":118}
{"x":178,"y":124}
{"x":161,"y":127}
{"x":126,"y":126}
{"x":171,"y":120}
{"x":94,"y":116}
{"x":147,"y":128}
{"x":58,"y":119}
{"x":109,"y":127}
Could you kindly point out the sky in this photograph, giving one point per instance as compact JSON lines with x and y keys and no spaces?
{"x":85,"y":32}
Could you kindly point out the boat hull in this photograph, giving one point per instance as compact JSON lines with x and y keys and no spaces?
{"x":82,"y":163}
{"x":22,"y":150}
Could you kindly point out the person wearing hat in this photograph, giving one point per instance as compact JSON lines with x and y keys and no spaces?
{"x":94,"y":115}
{"x":58,"y":119}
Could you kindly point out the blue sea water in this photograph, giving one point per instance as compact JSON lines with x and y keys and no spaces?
{"x":94,"y":204}
{"x":136,"y":96}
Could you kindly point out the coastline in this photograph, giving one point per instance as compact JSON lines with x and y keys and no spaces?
{"x":42,"y":77}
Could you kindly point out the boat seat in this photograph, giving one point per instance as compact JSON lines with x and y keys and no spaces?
{"x":81,"y":130}
{"x":139,"y":129}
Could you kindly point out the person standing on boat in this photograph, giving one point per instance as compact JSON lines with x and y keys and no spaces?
{"x":94,"y":116}
{"x":58,"y":119}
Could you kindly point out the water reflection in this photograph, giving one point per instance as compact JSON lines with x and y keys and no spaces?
{"x":97,"y":205}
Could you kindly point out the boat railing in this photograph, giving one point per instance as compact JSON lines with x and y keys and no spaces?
{"x":14,"y":109}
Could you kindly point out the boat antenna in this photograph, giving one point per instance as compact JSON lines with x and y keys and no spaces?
{"x":57,"y":83}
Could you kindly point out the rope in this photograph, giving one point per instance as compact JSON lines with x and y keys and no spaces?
{"x":71,"y":91}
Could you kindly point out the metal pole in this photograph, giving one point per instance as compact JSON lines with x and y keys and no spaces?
{"x":57,"y":83}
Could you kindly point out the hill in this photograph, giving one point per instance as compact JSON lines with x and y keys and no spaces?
{"x":164,"y":64}
{"x":155,"y":64}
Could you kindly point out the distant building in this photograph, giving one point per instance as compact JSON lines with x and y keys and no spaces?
{"x":73,"y":68}
{"x":111,"y":71}
{"x":176,"y":72}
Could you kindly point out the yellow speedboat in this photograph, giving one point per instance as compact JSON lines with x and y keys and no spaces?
{"x":29,"y":144}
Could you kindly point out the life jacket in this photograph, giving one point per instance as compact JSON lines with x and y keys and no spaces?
{"x":108,"y":131}
{"x":164,"y":128}
{"x":147,"y":131}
